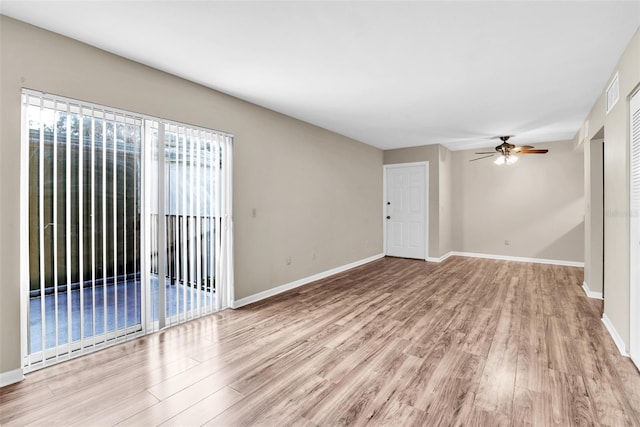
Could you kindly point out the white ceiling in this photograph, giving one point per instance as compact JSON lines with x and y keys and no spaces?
{"x":390,"y":74}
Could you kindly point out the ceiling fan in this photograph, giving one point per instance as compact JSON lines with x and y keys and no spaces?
{"x":507,"y":152}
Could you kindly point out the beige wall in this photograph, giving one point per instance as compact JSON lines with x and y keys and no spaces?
{"x":616,"y":188}
{"x":476,"y":206}
{"x":431,"y":154}
{"x":317,"y":194}
{"x":537,"y":205}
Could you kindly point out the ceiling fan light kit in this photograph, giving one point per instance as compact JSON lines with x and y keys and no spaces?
{"x":506,"y":152}
{"x":506,"y":160}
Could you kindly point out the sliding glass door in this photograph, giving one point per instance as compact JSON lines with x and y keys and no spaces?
{"x":129,"y":226}
{"x":185,"y":217}
{"x":84,"y":226}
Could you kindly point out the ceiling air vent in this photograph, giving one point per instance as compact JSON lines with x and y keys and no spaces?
{"x":613,"y":93}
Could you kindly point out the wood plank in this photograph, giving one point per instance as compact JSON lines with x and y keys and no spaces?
{"x":179,"y":402}
{"x":495,"y":393}
{"x":119,"y":411}
{"x":206,"y":409}
{"x":393,"y":342}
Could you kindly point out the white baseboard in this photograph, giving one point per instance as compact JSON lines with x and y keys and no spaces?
{"x":287,"y":286}
{"x":614,"y":334}
{"x":11,"y":377}
{"x":590,"y":293}
{"x":442,"y":258}
{"x":636,"y":360}
{"x":518,"y":259}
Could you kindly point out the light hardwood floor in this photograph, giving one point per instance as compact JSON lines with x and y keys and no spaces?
{"x":394,"y":342}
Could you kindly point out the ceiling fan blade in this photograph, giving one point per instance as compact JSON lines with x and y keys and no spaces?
{"x":484,"y":157}
{"x":486,"y":152}
{"x":523,"y":147}
{"x":533,"y":151}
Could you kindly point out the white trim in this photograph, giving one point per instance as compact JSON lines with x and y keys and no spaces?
{"x":11,"y":377}
{"x":162,"y":229}
{"x":518,"y":259}
{"x":229,"y":288}
{"x":585,"y":136}
{"x":288,"y":286}
{"x":614,"y":334}
{"x":590,"y":293}
{"x":635,"y":359}
{"x":67,"y":202}
{"x":146,"y":188}
{"x":24,"y":239}
{"x":442,"y":258}
{"x":426,"y":204}
{"x":384,"y":210}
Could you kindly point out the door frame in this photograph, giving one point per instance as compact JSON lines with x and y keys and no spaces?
{"x":426,"y":203}
{"x":634,"y":272}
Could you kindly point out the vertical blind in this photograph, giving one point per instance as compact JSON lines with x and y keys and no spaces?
{"x":106,"y":261}
{"x":634,"y":225}
{"x":190,"y":219}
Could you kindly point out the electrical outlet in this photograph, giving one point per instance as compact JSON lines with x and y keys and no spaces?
{"x":288,"y":260}
{"x":506,"y":243}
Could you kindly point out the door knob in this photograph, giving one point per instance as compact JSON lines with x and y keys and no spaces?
{"x":388,"y":217}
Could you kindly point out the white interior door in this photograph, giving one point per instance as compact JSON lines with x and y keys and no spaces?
{"x":406,"y":210}
{"x":634,"y":224}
